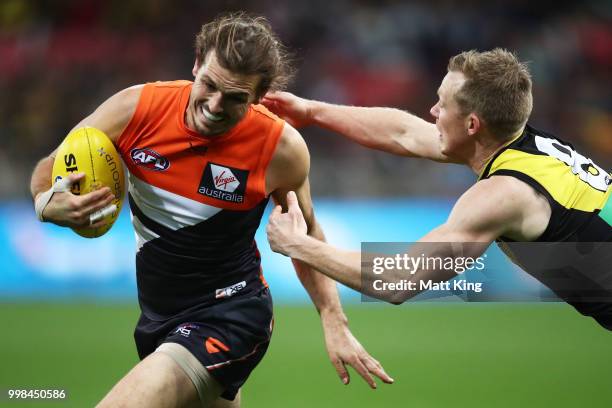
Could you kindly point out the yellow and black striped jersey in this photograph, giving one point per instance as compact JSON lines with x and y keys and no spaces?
{"x":577,"y":189}
{"x":573,"y":256}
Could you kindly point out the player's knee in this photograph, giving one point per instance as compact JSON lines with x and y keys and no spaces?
{"x":157,"y":381}
{"x":208,"y":389}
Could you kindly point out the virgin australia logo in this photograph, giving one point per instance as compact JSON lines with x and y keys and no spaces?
{"x":223,"y":183}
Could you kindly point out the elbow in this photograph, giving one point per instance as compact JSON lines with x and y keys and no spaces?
{"x":397,"y":301}
{"x":391,"y":291}
{"x":399,"y":297}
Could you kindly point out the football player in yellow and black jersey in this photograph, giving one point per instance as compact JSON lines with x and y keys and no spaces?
{"x":547,"y":205}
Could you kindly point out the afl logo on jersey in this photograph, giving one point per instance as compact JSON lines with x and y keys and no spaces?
{"x":223,"y":183}
{"x":149,"y":159}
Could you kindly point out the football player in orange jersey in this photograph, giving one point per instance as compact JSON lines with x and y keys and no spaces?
{"x":203,"y":158}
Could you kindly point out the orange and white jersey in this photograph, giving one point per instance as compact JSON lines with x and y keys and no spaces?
{"x":196,"y":202}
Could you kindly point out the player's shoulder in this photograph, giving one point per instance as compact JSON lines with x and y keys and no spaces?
{"x":291,"y":145}
{"x":162,"y":92}
{"x":180,"y":83}
{"x":263,"y":112}
{"x":113,"y":115}
{"x":290,"y":163}
{"x":501,"y":190}
{"x":129,"y":97}
{"x":504,"y":205}
{"x":496,"y":200}
{"x":499,"y":185}
{"x":116,"y":112}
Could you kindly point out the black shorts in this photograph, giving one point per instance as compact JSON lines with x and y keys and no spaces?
{"x":605,"y":321}
{"x":229,"y":338}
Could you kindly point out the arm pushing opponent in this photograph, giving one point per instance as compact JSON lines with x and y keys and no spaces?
{"x":482,"y":214}
{"x":387,"y":129}
{"x":288,"y":171}
{"x":470,"y":128}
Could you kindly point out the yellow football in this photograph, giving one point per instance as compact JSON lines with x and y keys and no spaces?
{"x":88,"y":150}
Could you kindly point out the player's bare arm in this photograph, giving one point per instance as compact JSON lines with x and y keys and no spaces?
{"x":288,"y":171}
{"x":387,"y":129}
{"x":65,"y":208}
{"x":499,"y":206}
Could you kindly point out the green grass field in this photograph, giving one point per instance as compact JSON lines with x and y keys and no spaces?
{"x":441,"y":355}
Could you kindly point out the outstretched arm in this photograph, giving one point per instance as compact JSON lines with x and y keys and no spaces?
{"x":489,"y":209}
{"x":387,"y":129}
{"x":289,"y":171}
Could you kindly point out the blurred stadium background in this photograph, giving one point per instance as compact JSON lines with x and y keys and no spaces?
{"x":68,"y":305}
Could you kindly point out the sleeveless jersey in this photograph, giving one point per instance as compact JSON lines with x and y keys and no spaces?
{"x":574,"y":254}
{"x":196,"y":202}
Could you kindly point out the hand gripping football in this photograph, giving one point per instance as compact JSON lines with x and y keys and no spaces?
{"x":88,"y":150}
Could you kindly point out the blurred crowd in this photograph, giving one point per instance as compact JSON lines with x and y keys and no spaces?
{"x":60,"y":59}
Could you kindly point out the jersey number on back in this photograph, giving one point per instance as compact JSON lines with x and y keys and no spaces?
{"x":582,"y":166}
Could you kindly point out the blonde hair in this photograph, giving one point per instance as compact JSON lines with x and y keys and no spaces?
{"x":497,"y":88}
